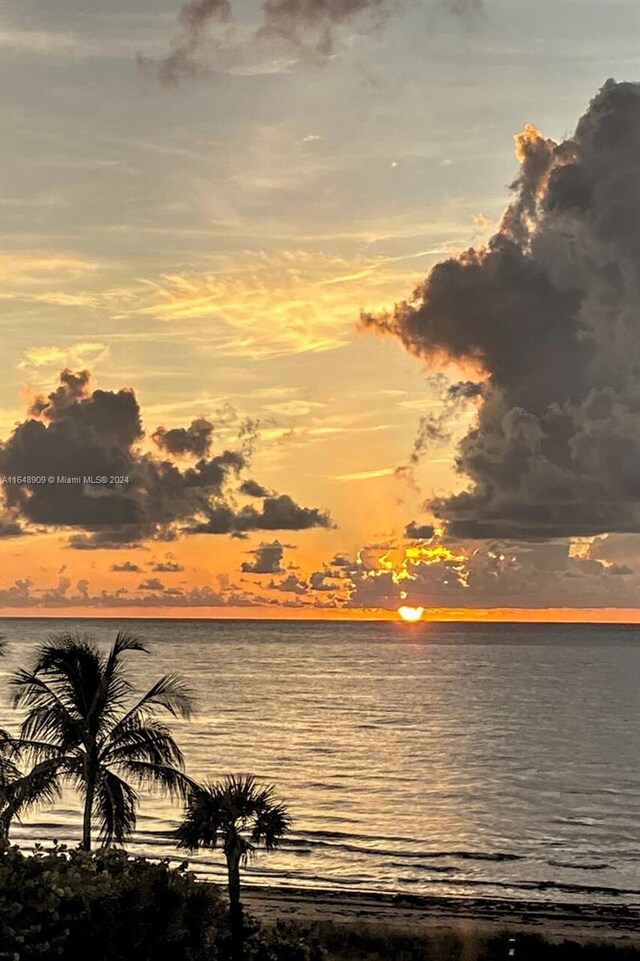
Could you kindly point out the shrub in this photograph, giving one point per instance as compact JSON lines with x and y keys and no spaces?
{"x":105,"y":906}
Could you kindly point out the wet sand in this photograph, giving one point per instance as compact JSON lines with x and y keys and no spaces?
{"x":555,"y":921}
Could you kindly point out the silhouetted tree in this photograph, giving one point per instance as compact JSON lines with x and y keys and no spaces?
{"x":239,"y":816}
{"x":20,"y":791}
{"x":80,"y":715}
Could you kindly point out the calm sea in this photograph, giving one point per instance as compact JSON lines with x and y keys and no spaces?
{"x":497,"y":760}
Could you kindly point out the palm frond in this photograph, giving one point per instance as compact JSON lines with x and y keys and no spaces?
{"x":160,"y":776}
{"x":40,"y":785}
{"x":50,"y":724}
{"x":169,"y":693}
{"x":235,"y":810}
{"x":115,"y":807}
{"x":270,"y":826}
{"x":204,"y":819}
{"x":150,"y":741}
{"x":116,"y":685}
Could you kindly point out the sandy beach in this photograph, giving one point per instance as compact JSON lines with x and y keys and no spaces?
{"x":556,"y":921}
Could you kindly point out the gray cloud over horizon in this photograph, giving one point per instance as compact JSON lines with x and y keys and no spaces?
{"x":550,"y":311}
{"x":77,"y":431}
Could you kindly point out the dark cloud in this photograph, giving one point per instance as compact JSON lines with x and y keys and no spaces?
{"x":549,"y":312}
{"x":192,"y":441}
{"x":194,"y":20}
{"x":278,"y":513}
{"x":77,"y":433}
{"x":309,"y":27}
{"x":496,"y":574}
{"x":290,"y":585}
{"x":341,"y":560}
{"x":167,"y":567}
{"x":251,"y":488}
{"x":267,"y":559}
{"x":318,"y":581}
{"x":9,"y":527}
{"x":151,"y":584}
{"x":419,"y":532}
{"x":435,"y":428}
{"x":127,"y":567}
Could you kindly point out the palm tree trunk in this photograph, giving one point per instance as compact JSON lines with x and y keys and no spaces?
{"x":90,"y":787}
{"x":235,"y":906}
{"x":5,"y":824}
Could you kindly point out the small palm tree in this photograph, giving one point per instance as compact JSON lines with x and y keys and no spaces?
{"x":80,"y":719}
{"x":20,"y":791}
{"x":239,"y":816}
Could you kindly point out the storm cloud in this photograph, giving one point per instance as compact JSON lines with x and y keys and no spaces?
{"x":192,"y":441}
{"x":549,"y":312}
{"x":267,"y":559}
{"x":418,"y":532}
{"x":309,"y":27}
{"x":81,"y":451}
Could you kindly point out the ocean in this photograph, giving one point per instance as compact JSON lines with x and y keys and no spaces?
{"x":497,"y":760}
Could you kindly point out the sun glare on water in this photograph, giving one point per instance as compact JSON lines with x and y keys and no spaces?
{"x":411,"y":613}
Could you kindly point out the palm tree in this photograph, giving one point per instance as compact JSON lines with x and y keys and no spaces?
{"x":239,"y":816}
{"x":80,"y":718}
{"x":20,"y":791}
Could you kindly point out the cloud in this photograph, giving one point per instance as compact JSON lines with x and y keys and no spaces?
{"x":83,"y":449}
{"x":192,"y":441}
{"x":464,"y":9}
{"x":318,"y":581}
{"x":308,"y":27}
{"x":127,"y":567}
{"x":252,"y":489}
{"x":548,"y":311}
{"x":80,"y":355}
{"x":167,"y":567}
{"x":290,"y":585}
{"x":268,"y":559}
{"x":490,"y":574}
{"x":341,"y":560}
{"x":278,"y":513}
{"x":151,"y":584}
{"x":194,"y":20}
{"x":419,"y":532}
{"x":9,"y":526}
{"x":23,"y":594}
{"x":36,"y":41}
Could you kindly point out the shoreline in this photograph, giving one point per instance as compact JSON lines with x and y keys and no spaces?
{"x":555,"y":921}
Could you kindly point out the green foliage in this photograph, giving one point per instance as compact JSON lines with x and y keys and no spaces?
{"x":74,"y":905}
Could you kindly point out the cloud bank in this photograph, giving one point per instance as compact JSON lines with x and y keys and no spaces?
{"x":549,"y":312}
{"x":79,"y":461}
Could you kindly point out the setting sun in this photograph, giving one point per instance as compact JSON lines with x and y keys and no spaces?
{"x":411,"y":613}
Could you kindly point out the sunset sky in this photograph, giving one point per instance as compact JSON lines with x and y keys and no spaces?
{"x":220,"y":227}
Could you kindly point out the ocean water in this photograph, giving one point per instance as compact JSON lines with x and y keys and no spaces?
{"x":498,"y":760}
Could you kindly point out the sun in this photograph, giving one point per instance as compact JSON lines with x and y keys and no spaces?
{"x":411,"y":613}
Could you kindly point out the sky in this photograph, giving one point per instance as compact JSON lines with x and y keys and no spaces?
{"x":341,"y":298}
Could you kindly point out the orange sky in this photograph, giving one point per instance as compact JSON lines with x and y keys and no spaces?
{"x":209,"y":245}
